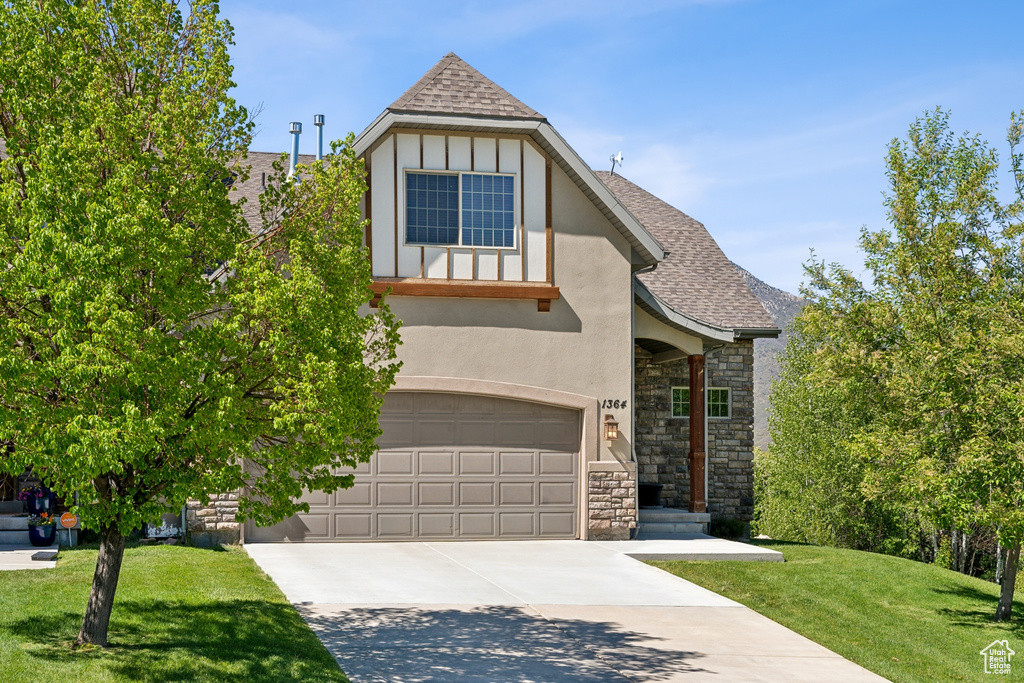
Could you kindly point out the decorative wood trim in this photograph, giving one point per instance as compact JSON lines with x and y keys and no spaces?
{"x":459,"y":134}
{"x":472,"y":153}
{"x":446,"y":153}
{"x":394,"y":150}
{"x":421,"y":151}
{"x":466,"y":289}
{"x":498,"y":254}
{"x":497,"y":156}
{"x":474,"y":271}
{"x":448,"y":258}
{"x":544,"y":305}
{"x":522,"y":209}
{"x":422,"y":260}
{"x":698,"y":500}
{"x":369,"y":210}
{"x":548,"y":232}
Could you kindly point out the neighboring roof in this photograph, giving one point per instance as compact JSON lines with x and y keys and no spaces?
{"x":454,"y":87}
{"x":261,"y":166}
{"x":696,"y":280}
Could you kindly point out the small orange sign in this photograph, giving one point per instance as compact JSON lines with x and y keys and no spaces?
{"x":68,"y":520}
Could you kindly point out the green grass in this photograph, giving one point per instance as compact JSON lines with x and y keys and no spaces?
{"x":903,"y":620}
{"x":181,"y":614}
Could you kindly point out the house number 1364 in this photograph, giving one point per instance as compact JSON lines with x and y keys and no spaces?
{"x":609,"y":403}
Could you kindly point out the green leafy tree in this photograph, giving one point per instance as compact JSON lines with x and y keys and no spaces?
{"x":152,"y":348}
{"x":936,"y":342}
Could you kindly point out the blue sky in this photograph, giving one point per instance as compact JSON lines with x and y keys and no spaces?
{"x":766,"y":120}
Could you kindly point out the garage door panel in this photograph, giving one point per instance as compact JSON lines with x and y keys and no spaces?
{"x":436,"y":525}
{"x":472,"y":493}
{"x":391,"y":525}
{"x":354,"y":526}
{"x":394,"y":462}
{"x":556,"y":493}
{"x":315,"y":498}
{"x":436,"y":493}
{"x":358,"y":495}
{"x":556,"y":524}
{"x":558,"y":463}
{"x":522,"y":464}
{"x":478,"y":525}
{"x":476,"y":433}
{"x":516,"y":493}
{"x":437,"y":464}
{"x":517,"y":524}
{"x":453,"y":467}
{"x":476,"y":464}
{"x":436,"y":433}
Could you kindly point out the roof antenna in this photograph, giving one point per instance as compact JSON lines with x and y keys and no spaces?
{"x":616,"y":159}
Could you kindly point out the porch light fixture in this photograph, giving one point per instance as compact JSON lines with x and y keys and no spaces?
{"x":611,"y":429}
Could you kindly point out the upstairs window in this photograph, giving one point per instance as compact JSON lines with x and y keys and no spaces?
{"x":433,"y":216}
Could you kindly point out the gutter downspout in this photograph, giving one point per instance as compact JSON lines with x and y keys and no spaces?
{"x":632,"y":398}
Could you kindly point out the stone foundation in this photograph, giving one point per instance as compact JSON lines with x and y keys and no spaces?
{"x":611,"y":504}
{"x":663,"y":442}
{"x":213,"y":524}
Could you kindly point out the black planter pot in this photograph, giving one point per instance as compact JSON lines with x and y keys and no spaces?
{"x":42,"y":536}
{"x":649,"y":495}
{"x":38,"y":505}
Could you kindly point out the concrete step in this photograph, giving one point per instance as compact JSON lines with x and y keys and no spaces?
{"x":13,"y":523}
{"x":11,"y":507}
{"x":14,"y":537}
{"x":673,"y":528}
{"x":673,"y":515}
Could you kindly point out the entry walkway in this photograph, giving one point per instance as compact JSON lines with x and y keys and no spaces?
{"x":546,"y":611}
{"x":20,"y":557}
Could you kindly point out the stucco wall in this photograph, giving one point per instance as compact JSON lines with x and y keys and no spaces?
{"x":582,"y":346}
{"x":663,"y":441}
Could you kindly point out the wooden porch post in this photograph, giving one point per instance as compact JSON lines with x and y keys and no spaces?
{"x":698,"y":500}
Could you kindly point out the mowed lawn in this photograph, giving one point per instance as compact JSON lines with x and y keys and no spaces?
{"x":903,"y":620}
{"x":181,"y":614}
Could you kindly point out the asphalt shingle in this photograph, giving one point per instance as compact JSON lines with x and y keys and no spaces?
{"x":454,"y":87}
{"x":696,"y":279}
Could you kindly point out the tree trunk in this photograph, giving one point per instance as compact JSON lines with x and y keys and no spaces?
{"x":104,"y":584}
{"x":1009,"y":582}
{"x":1000,"y":561}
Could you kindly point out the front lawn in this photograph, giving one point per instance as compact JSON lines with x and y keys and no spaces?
{"x":903,"y":620}
{"x":181,"y":614}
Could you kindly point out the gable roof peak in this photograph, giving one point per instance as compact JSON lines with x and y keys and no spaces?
{"x":454,"y":87}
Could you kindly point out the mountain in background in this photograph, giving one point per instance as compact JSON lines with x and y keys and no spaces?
{"x":782,"y":307}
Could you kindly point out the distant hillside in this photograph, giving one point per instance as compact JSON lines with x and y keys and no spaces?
{"x":782,"y":307}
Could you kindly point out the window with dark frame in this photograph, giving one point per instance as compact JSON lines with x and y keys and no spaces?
{"x":460,"y":209}
{"x":718,"y":402}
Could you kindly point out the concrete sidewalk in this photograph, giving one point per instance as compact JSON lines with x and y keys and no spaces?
{"x":530,"y":611}
{"x":20,"y":557}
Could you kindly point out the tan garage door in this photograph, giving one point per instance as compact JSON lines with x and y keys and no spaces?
{"x":453,"y":466}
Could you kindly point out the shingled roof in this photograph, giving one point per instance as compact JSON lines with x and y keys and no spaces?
{"x":261,"y":166}
{"x":454,"y":87}
{"x":696,"y":279}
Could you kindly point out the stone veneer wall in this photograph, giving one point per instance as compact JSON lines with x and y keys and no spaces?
{"x":213,"y":524}
{"x":662,"y":441}
{"x":612,"y":505}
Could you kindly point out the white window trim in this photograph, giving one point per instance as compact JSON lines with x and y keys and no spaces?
{"x":707,"y":404}
{"x":404,"y":207}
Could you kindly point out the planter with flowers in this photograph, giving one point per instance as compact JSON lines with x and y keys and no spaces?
{"x":42,"y":529}
{"x":38,"y":499}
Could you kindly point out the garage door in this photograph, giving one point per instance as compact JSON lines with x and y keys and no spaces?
{"x":453,"y":466}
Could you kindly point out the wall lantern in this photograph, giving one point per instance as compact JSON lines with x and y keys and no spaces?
{"x":611,"y":429}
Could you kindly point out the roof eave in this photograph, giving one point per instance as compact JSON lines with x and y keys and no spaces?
{"x":550,"y":141}
{"x":650,"y":302}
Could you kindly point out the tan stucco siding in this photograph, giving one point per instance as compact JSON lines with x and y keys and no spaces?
{"x":584,"y":345}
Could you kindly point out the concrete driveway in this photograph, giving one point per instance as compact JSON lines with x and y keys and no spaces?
{"x":542,"y":611}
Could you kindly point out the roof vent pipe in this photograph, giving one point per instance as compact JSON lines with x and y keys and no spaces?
{"x":296,"y":131}
{"x":318,"y":121}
